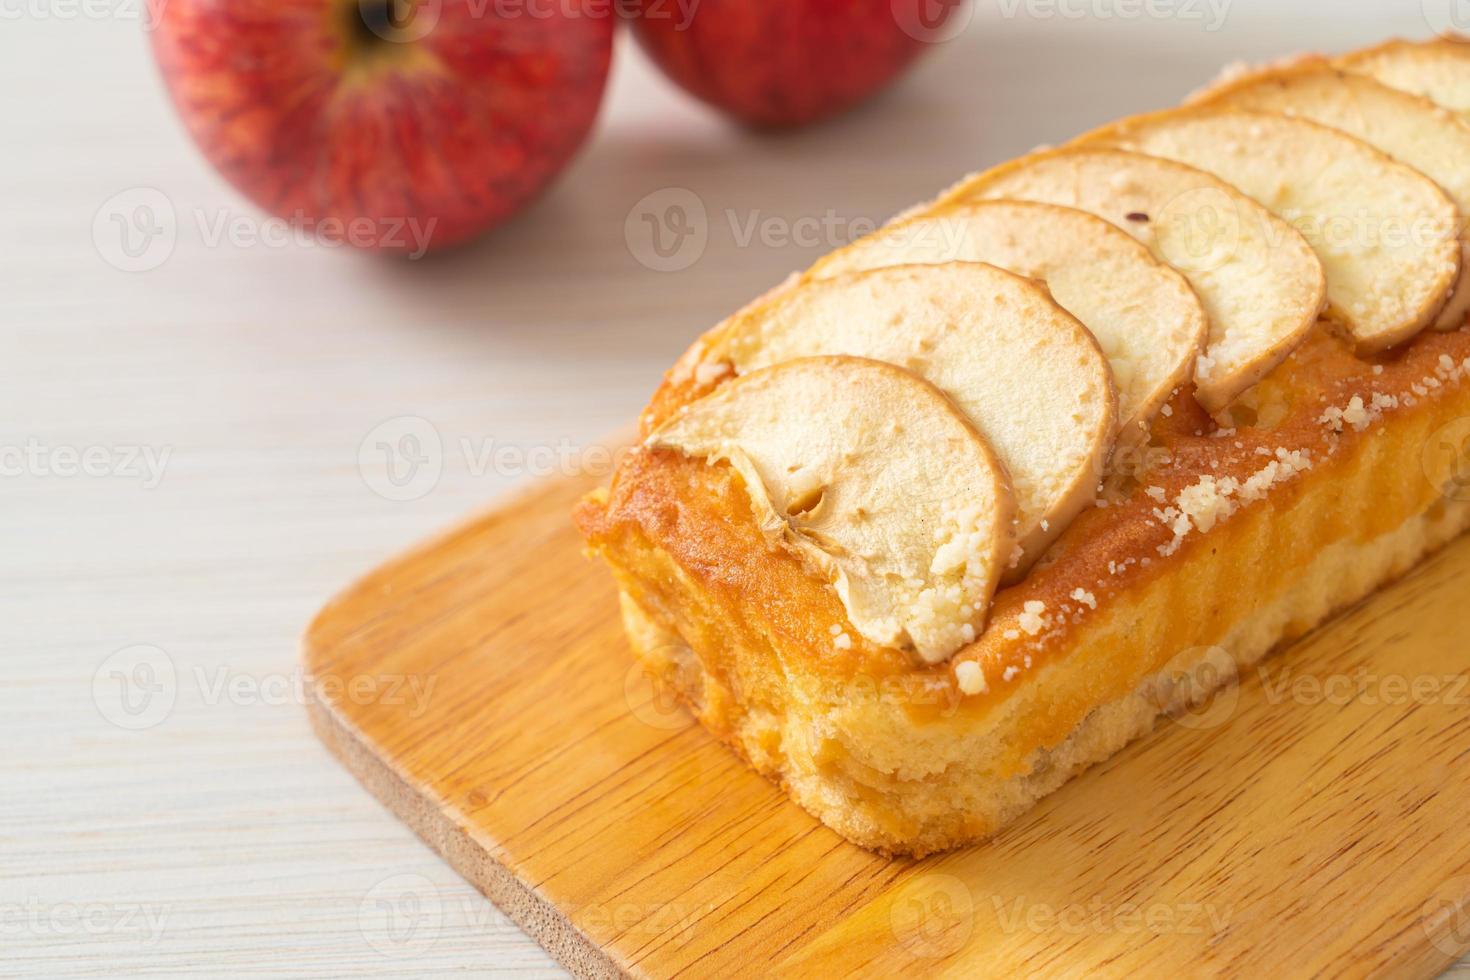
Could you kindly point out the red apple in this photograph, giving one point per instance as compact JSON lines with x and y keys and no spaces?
{"x":389,"y":124}
{"x":786,"y":62}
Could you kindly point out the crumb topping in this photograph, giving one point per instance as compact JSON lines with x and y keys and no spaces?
{"x":970,"y":677}
{"x":1359,"y":415}
{"x":1209,"y":500}
{"x":1033,"y":617}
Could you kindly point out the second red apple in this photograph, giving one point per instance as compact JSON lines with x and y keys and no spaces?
{"x":787,"y":62}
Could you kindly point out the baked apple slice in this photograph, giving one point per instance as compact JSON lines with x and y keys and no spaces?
{"x":1144,"y":315}
{"x":1408,"y":127}
{"x":1026,"y":372}
{"x":1386,"y":234}
{"x":876,"y":478}
{"x":1437,"y":69}
{"x":1259,"y":281}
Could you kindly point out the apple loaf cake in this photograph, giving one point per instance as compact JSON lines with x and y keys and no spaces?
{"x":971,"y":503}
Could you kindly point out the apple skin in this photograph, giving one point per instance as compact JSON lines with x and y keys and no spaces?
{"x":775,"y":63}
{"x":314,"y":114}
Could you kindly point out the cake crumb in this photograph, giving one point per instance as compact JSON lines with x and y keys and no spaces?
{"x":1355,"y":413}
{"x":1210,"y":499}
{"x":970,"y":677}
{"x":1033,"y":617}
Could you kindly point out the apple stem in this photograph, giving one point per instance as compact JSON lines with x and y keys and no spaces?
{"x":373,"y":22}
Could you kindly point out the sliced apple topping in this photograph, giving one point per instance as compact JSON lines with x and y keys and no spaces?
{"x":1028,"y":375}
{"x":1437,"y":69}
{"x":1385,"y":233}
{"x":874,"y":476}
{"x":1409,"y":128}
{"x":1144,"y":315}
{"x":1259,"y":282}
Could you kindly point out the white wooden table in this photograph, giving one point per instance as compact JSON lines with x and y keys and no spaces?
{"x":192,"y":454}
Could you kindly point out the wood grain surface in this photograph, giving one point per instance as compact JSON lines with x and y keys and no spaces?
{"x":1310,"y":822}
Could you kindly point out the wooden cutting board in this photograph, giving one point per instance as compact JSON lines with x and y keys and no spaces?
{"x":1314,"y":821}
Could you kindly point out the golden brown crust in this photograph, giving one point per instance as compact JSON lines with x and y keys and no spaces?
{"x":869,"y":741}
{"x":683,"y":382}
{"x":700,"y":516}
{"x":1211,"y":537}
